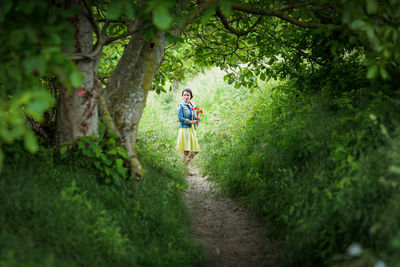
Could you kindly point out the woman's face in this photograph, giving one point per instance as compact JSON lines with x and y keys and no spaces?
{"x":186,"y":96}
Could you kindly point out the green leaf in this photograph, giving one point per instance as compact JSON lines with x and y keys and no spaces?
{"x":372,"y":72}
{"x":128,"y":9}
{"x":16,"y":37}
{"x":384,"y":73}
{"x":208,"y":14}
{"x":161,"y":17}
{"x":76,"y":78}
{"x":115,"y":9}
{"x":116,"y":179}
{"x":226,"y":8}
{"x":119,"y":163}
{"x":30,"y":142}
{"x":108,"y":162}
{"x":357,"y":24}
{"x":63,"y":150}
{"x":394,"y":169}
{"x":41,"y":101}
{"x":372,"y":6}
{"x":97,"y":164}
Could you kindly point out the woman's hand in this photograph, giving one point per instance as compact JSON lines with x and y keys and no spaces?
{"x":194,"y":122}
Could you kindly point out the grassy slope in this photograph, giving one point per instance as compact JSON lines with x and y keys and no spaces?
{"x":321,"y":165}
{"x":57,"y":214}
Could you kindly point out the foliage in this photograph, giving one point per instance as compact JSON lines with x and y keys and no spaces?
{"x":32,"y":35}
{"x":320,"y":165}
{"x":56,"y":213}
{"x":102,"y":155}
{"x":252,"y":47}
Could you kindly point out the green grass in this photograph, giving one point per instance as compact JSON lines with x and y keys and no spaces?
{"x":321,"y":166}
{"x":55,"y":213}
{"x":317,"y":157}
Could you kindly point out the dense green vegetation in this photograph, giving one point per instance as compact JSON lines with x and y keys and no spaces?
{"x":59,"y":213}
{"x":303,"y":127}
{"x":322,"y":166}
{"x":317,"y":157}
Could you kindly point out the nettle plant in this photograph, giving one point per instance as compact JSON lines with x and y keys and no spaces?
{"x":102,"y":154}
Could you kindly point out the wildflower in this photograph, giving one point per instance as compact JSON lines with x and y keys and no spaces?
{"x":217,"y":120}
{"x":200,"y":111}
{"x":195,"y":108}
{"x":80,"y":92}
{"x":177,"y":121}
{"x":219,"y":133}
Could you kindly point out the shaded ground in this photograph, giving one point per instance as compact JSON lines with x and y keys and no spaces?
{"x":226,"y":231}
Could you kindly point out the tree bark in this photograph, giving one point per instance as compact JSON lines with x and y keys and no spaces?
{"x":78,"y":112}
{"x":127,"y":88}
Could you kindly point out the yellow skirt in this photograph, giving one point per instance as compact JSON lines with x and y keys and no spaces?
{"x":187,"y":140}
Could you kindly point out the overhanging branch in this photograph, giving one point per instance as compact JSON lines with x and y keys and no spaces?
{"x":233,"y":30}
{"x":279,"y":13}
{"x":109,"y":40}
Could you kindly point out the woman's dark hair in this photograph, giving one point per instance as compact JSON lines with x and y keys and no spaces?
{"x":189,"y":91}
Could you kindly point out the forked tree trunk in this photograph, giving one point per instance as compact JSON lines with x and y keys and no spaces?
{"x":78,"y":115}
{"x":127,"y":88}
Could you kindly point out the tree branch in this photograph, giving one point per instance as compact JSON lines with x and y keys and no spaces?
{"x":277,"y":13}
{"x":294,"y":6}
{"x":109,"y":40}
{"x":233,"y":30}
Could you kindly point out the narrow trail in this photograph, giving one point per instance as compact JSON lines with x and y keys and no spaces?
{"x":226,"y":231}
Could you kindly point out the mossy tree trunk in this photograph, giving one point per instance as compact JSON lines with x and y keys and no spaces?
{"x":127,"y":88}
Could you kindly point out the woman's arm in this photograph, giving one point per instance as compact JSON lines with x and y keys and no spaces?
{"x":180,"y":115}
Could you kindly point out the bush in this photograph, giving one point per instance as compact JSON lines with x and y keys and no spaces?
{"x":318,"y":157}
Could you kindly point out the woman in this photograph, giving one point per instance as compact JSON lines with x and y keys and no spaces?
{"x":188,"y":119}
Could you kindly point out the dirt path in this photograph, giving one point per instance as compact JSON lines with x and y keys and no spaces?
{"x":229,"y":236}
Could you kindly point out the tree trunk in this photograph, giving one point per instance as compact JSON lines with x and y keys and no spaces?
{"x":78,"y":113}
{"x":128,"y":86}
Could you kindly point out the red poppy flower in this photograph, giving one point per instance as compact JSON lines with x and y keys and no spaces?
{"x":177,"y":121}
{"x":195,"y":108}
{"x":80,"y":92}
{"x":219,"y":133}
{"x":200,"y":111}
{"x":192,"y":108}
{"x":217,"y":120}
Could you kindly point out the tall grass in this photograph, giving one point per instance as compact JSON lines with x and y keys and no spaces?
{"x":317,"y":157}
{"x":321,"y":165}
{"x":221,"y":102}
{"x":56,"y":213}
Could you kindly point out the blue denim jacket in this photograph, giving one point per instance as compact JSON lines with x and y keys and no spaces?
{"x":185,"y":114}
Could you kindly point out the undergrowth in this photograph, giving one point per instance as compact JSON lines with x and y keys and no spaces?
{"x":318,"y":157}
{"x":58,"y":213}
